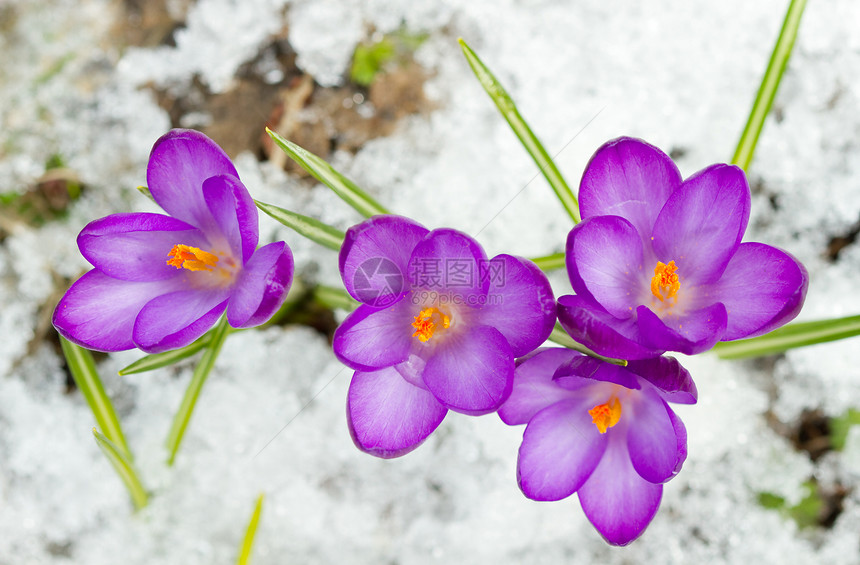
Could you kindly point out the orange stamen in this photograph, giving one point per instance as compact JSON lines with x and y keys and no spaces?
{"x":665,"y":283}
{"x":191,"y":258}
{"x":427,"y":322}
{"x":604,"y":416}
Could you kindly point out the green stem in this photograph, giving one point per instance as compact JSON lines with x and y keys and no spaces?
{"x":560,"y":337}
{"x":790,"y":336}
{"x":250,"y":532}
{"x":201,"y":373}
{"x":335,"y":298}
{"x":509,"y":111}
{"x":83,"y":370}
{"x":121,"y":463}
{"x":551,"y":262}
{"x":769,"y":84}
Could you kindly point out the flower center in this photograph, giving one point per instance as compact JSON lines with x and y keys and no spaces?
{"x":665,"y":283}
{"x":191,"y":258}
{"x":604,"y":416}
{"x":428,"y":321}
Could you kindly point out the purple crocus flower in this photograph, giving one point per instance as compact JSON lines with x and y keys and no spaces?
{"x":438,"y":329}
{"x":602,"y":431}
{"x":657,"y":263}
{"x":159,"y":282}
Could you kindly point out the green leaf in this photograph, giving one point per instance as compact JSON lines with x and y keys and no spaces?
{"x":789,"y":337}
{"x":83,"y":370}
{"x":122,"y":465}
{"x":159,"y":360}
{"x":335,"y":298}
{"x":369,"y":60}
{"x":145,"y":191}
{"x":250,"y":532}
{"x":198,"y":379}
{"x":840,"y":425}
{"x":805,"y":513}
{"x":523,"y":132}
{"x":551,"y":262}
{"x":561,"y":337}
{"x":323,"y":172}
{"x":769,"y":84}
{"x":310,"y":228}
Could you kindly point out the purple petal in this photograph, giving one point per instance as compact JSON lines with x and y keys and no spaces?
{"x":629,"y":178}
{"x":372,"y":338}
{"x":98,"y":311}
{"x":598,"y":330}
{"x":581,"y":370}
{"x":651,"y":437}
{"x":234,"y":212}
{"x":680,"y":437}
{"x":519,"y":303}
{"x":616,"y":500}
{"x":534,"y":389}
{"x":174,"y":320}
{"x":690,"y":333}
{"x":374,"y":258}
{"x":606,"y":256}
{"x":387,"y":416}
{"x":262,"y":286}
{"x":703,"y":223}
{"x":673,"y":381}
{"x":561,"y":448}
{"x":449,"y":262}
{"x":762,"y":288}
{"x":136,"y":247}
{"x":471,"y":371}
{"x":179,"y":162}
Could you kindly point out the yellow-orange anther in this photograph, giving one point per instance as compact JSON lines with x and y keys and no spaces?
{"x":606,"y":415}
{"x":428,"y":321}
{"x":191,"y":258}
{"x":665,"y":283}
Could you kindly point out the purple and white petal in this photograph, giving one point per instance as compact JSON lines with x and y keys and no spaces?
{"x":702,"y":224}
{"x":98,"y":311}
{"x":630,"y":178}
{"x":136,"y":247}
{"x":179,"y":162}
{"x":519,"y":303}
{"x":262,"y":286}
{"x":175,"y":320}
{"x":693,"y":332}
{"x":374,"y":258}
{"x":561,"y":449}
{"x":534,"y":389}
{"x":651,"y":438}
{"x":471,"y":372}
{"x":450,"y":262}
{"x":373,"y":338}
{"x":387,"y":416}
{"x":235,"y":214}
{"x":672,"y":381}
{"x":593,"y":327}
{"x":616,"y":500}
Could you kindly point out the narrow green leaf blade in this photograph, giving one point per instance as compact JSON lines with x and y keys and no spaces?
{"x":159,"y":360}
{"x":769,"y":84}
{"x":335,"y":298}
{"x":326,"y":174}
{"x":83,"y":370}
{"x":560,"y":337}
{"x":250,"y":532}
{"x":523,"y":132}
{"x":124,"y":468}
{"x":789,"y":337}
{"x":551,"y":262}
{"x":310,"y":228}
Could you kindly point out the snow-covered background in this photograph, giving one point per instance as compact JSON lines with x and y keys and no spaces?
{"x":91,"y":84}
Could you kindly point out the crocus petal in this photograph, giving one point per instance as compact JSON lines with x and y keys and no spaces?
{"x":374,"y":258}
{"x":450,"y":262}
{"x":606,"y":256}
{"x":533,"y":387}
{"x":235,"y":213}
{"x":136,"y":247}
{"x":690,"y":333}
{"x":616,"y":500}
{"x":98,"y":311}
{"x":629,"y":178}
{"x":179,"y":162}
{"x":680,"y":436}
{"x":471,"y":371}
{"x":762,"y":288}
{"x":581,"y":369}
{"x":702,"y":224}
{"x":387,"y":416}
{"x":174,"y":320}
{"x":262,"y":286}
{"x":598,"y":330}
{"x":673,"y":382}
{"x":561,"y":448}
{"x":651,"y":437}
{"x":372,"y":338}
{"x":519,"y":303}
